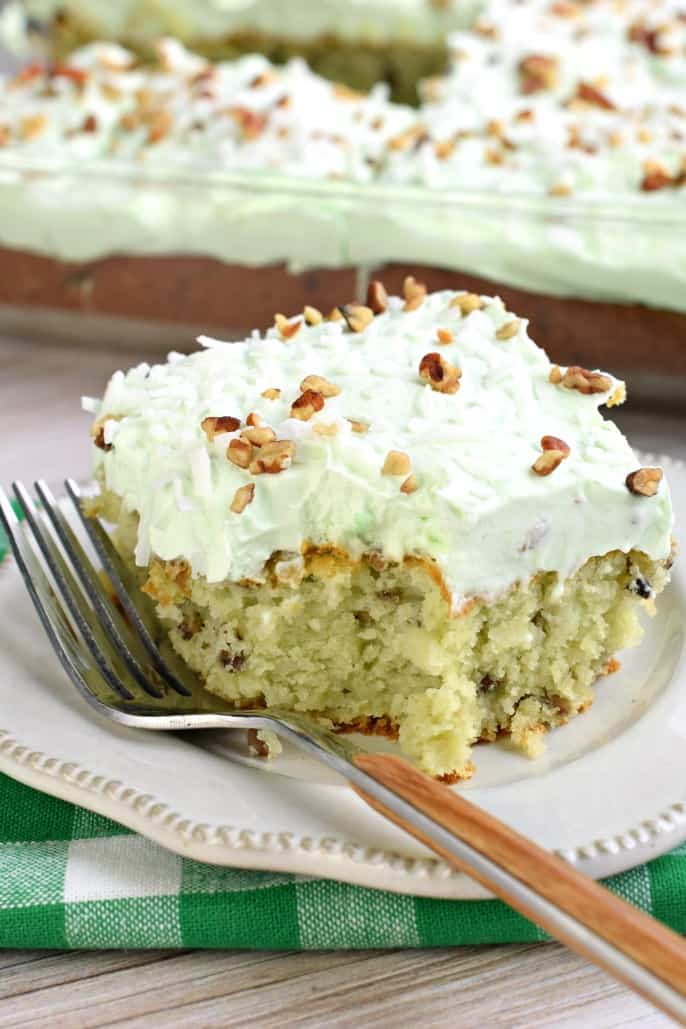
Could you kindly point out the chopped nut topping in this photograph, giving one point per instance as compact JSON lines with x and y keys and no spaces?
{"x":591,"y":95}
{"x":655,"y":177}
{"x":257,"y":746}
{"x":334,"y":315}
{"x":242,"y":497}
{"x":644,"y":482}
{"x":90,"y":123}
{"x":213,"y":426}
{"x":467,"y":302}
{"x":312,"y":315}
{"x":320,"y":385}
{"x":259,"y":435}
{"x":581,"y":380}
{"x":444,"y":148}
{"x":307,"y":404}
{"x":560,"y":189}
{"x":555,"y":375}
{"x":377,"y":297}
{"x":271,"y":394}
{"x":554,"y":452}
{"x":410,"y":484}
{"x":414,"y":293}
{"x":263,"y":79}
{"x":357,"y":316}
{"x":273,"y":458}
{"x":287,"y":329}
{"x":160,"y":125}
{"x":508,"y":330}
{"x":358,"y":427}
{"x":32,"y":125}
{"x":537,"y":72}
{"x":253,"y":419}
{"x":98,"y":431}
{"x":326,"y":428}
{"x":554,"y":443}
{"x":439,"y":373}
{"x":239,"y":452}
{"x":444,"y":336}
{"x":411,"y":137}
{"x":396,"y":463}
{"x":250,"y":124}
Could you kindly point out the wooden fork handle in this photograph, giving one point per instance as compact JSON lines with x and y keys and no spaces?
{"x":627,"y":929}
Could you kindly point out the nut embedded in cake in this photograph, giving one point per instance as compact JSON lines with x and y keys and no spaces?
{"x":467,"y":565}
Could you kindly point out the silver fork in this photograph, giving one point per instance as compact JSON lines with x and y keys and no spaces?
{"x":125,"y":670}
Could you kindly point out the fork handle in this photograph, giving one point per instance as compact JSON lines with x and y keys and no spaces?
{"x":624,"y":941}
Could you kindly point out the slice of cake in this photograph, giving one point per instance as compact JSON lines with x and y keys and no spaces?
{"x":398,"y":516}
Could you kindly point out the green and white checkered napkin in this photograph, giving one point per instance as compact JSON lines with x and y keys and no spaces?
{"x":71,"y":878}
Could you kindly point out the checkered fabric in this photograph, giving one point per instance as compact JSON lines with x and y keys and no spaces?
{"x":73,"y":879}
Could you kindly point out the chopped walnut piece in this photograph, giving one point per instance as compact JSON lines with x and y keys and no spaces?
{"x":410,"y":138}
{"x":250,"y":124}
{"x":560,"y":189}
{"x":98,"y":430}
{"x":89,"y":124}
{"x":271,"y":394}
{"x":359,"y":427}
{"x":444,"y":148}
{"x":326,"y":428}
{"x":312,"y":315}
{"x":414,"y":293}
{"x":644,"y":482}
{"x":508,"y":330}
{"x":396,"y":463}
{"x":655,"y":177}
{"x":214,"y":426}
{"x":591,"y":95}
{"x":554,"y":443}
{"x":377,"y":297}
{"x":257,"y":746}
{"x":555,"y":375}
{"x":467,"y":302}
{"x":439,"y":373}
{"x":259,"y":435}
{"x":32,"y":125}
{"x":239,"y":452}
{"x":583,"y":381}
{"x":273,"y":458}
{"x":357,"y":316}
{"x":444,"y":335}
{"x":253,"y":419}
{"x":263,"y":79}
{"x":242,"y":497}
{"x":554,"y":452}
{"x":334,"y":315}
{"x":160,"y":126}
{"x":410,"y":485}
{"x":537,"y":72}
{"x":287,"y":329}
{"x":565,"y":9}
{"x":320,"y":385}
{"x":307,"y":404}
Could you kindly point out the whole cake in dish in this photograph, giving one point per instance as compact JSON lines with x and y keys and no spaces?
{"x":398,"y":516}
{"x":549,"y":161}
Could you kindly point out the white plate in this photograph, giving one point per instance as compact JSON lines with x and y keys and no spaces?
{"x":609,"y":793}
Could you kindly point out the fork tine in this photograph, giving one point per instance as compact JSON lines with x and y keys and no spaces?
{"x":139,"y":610}
{"x":94,"y":638}
{"x":45,"y":602}
{"x":125,"y":643}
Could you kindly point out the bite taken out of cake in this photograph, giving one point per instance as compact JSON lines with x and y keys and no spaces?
{"x":398,"y":516}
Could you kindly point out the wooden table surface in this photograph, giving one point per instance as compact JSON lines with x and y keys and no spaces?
{"x":43,"y":433}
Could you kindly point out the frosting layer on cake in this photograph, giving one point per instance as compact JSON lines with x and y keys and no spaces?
{"x":412,"y":433}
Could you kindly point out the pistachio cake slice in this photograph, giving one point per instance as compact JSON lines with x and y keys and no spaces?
{"x":398,"y":516}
